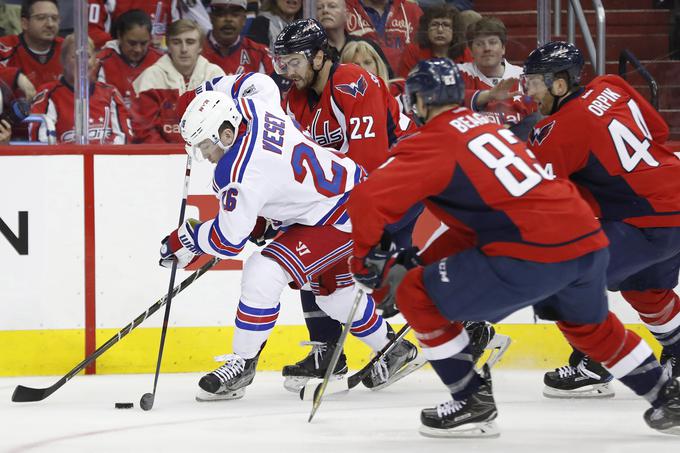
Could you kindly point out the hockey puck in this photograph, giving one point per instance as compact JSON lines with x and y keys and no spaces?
{"x":124,"y":405}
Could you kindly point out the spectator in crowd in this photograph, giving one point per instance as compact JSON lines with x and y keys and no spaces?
{"x":363,"y":54}
{"x":390,"y":23}
{"x":234,"y":53}
{"x":10,"y":19}
{"x":274,"y":16}
{"x":160,"y":85}
{"x":332,"y":14}
{"x":18,"y":82}
{"x":109,"y":120}
{"x":491,"y":82}
{"x":36,"y":50}
{"x":439,"y":35}
{"x":122,"y":60}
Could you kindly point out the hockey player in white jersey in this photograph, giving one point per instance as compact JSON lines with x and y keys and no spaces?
{"x":266,"y":167}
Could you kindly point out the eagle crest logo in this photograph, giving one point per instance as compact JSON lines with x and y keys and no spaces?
{"x":354,"y":88}
{"x":538,"y":136}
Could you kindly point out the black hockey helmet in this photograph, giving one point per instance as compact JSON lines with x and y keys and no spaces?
{"x":555,"y":57}
{"x":303,"y":35}
{"x":437,"y":81}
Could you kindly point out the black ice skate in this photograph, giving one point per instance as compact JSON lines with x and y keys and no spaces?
{"x":471,"y":417}
{"x":229,"y":381}
{"x":483,"y":336}
{"x":671,"y":362}
{"x":401,"y":361}
{"x":582,"y":378}
{"x":313,"y":366}
{"x":666,"y":418}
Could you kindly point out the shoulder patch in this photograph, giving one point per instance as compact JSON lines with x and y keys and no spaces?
{"x":353,"y":88}
{"x":538,"y":135}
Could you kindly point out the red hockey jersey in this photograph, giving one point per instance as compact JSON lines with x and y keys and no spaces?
{"x":114,"y":69}
{"x":400,"y":27}
{"x":109,"y":119}
{"x":609,"y":140}
{"x":509,"y":111}
{"x":476,"y":176}
{"x":245,"y":55}
{"x":356,"y":114}
{"x":39,"y":69}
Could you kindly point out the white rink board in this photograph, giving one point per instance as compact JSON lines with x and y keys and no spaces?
{"x":44,"y":289}
{"x":137,"y":201}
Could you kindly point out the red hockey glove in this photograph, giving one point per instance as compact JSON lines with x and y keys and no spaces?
{"x":180,"y":246}
{"x":264,"y":230}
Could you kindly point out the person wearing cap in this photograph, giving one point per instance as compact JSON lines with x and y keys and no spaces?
{"x":225,"y":46}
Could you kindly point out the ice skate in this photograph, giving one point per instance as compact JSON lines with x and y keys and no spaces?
{"x":582,"y":378}
{"x":483,"y":336}
{"x":671,"y":362}
{"x":472,"y":417}
{"x":401,"y":361}
{"x":313,"y":366}
{"x":229,"y":381}
{"x":666,"y":418}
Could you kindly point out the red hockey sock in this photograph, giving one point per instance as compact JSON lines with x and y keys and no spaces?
{"x":609,"y":343}
{"x":659,"y":309}
{"x":439,"y":337}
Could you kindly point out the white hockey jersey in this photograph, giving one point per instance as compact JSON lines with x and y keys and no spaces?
{"x":253,"y":85}
{"x":273,"y":170}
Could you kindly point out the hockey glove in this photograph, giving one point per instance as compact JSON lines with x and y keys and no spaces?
{"x":404,"y":261}
{"x":264,"y":230}
{"x":180,"y":246}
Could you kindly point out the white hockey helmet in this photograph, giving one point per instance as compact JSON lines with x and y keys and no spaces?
{"x":201,"y":122}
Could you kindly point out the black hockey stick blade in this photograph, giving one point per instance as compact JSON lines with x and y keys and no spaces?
{"x":23,"y":394}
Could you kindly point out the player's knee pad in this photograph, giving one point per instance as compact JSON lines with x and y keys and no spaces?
{"x":262,"y":282}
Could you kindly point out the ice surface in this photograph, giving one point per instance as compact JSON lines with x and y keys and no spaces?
{"x":80,"y":417}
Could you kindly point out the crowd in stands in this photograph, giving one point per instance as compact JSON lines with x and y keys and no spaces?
{"x":145,"y":54}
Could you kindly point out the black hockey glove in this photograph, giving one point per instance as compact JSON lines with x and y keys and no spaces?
{"x":264,"y":230}
{"x":400,"y":264}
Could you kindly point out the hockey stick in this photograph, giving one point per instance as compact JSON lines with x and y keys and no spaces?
{"x":24,"y":394}
{"x":356,"y":378}
{"x":318,"y":394}
{"x":147,"y":400}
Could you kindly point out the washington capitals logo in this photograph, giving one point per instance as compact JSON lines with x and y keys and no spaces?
{"x":538,"y":136}
{"x":354,"y":88}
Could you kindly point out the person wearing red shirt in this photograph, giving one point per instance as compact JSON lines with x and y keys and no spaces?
{"x":225,"y":46}
{"x":608,"y":140}
{"x":37,"y":49}
{"x":109,"y":120}
{"x":158,"y":88}
{"x":438,"y":36}
{"x":390,"y":23}
{"x":122,"y":60}
{"x":536,"y":244}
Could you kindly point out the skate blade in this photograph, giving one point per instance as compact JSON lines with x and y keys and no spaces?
{"x":203,"y":397}
{"x":587,"y":392}
{"x":295,"y":383}
{"x":472,"y":430}
{"x":673,"y":431}
{"x":404,"y":371}
{"x":498,"y":345}
{"x":335,"y":387}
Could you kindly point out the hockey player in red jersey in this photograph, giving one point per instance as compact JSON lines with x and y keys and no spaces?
{"x":109,"y":118}
{"x":346,"y":108}
{"x":122,"y":60}
{"x":225,"y":46}
{"x":608,"y":140}
{"x":36,"y":50}
{"x":536,"y":243}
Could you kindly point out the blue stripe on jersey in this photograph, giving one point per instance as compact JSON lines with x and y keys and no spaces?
{"x":253,"y":133}
{"x":238,"y":83}
{"x":343,"y":218}
{"x":223,"y":167}
{"x":224,"y":247}
{"x":616,"y":198}
{"x":337,"y":206}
